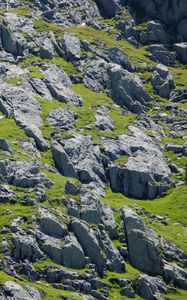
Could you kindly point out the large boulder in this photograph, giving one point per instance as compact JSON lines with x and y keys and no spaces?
{"x":174,"y":274}
{"x":11,"y":42}
{"x":59,"y":85}
{"x":181,"y":49}
{"x":142,"y":243}
{"x":50,"y":225}
{"x":144,"y":173}
{"x":16,"y":102}
{"x":77,"y":157}
{"x":4,"y":145}
{"x":94,"y":211}
{"x":162,"y":81}
{"x":67,"y":252}
{"x":115,"y":262}
{"x":117,"y":56}
{"x":96,"y":76}
{"x":103,"y":121}
{"x":150,"y":288}
{"x":109,"y":8}
{"x":62,"y":118}
{"x":25,"y":247}
{"x":22,"y":174}
{"x":127,"y":90}
{"x":13,"y":291}
{"x":72,"y":47}
{"x":90,"y":244}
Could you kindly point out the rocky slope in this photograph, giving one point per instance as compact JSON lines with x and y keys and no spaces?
{"x":93,"y":149}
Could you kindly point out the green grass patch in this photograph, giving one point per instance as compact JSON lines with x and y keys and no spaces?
{"x":21,"y":11}
{"x":172,"y":205}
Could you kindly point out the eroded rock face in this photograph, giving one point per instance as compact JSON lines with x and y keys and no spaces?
{"x":26,"y":247}
{"x":62,"y":118}
{"x":51,"y":226}
{"x":22,"y":174}
{"x":13,"y":43}
{"x":59,"y":85}
{"x":16,"y":102}
{"x":77,"y":157}
{"x":97,"y":77}
{"x":13,"y":291}
{"x":127,"y":90}
{"x":162,"y":81}
{"x":150,"y":288}
{"x":89,"y":243}
{"x":67,"y":252}
{"x":144,"y":169}
{"x":143,"y":244}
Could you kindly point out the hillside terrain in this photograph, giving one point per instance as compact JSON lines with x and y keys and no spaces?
{"x":93,"y":149}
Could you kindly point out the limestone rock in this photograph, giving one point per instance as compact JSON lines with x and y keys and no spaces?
{"x":89,"y":243}
{"x":150,"y":288}
{"x":127,"y":90}
{"x":143,"y":244}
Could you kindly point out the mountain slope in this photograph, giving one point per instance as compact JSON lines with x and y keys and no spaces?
{"x":93,"y":149}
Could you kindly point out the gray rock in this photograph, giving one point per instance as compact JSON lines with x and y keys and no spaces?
{"x":160,"y":53}
{"x":150,"y":288}
{"x":116,"y":56}
{"x":162,"y":81}
{"x":109,"y":8}
{"x":13,"y":291}
{"x":143,"y":244}
{"x":46,"y":49}
{"x":174,"y":274}
{"x":51,"y":226}
{"x":90,"y":207}
{"x":62,"y":161}
{"x":79,"y":158}
{"x":73,"y":255}
{"x":25,"y":247}
{"x":40,"y":87}
{"x":96,"y":77}
{"x":62,"y":118}
{"x":71,"y":187}
{"x":6,"y":193}
{"x":182,"y":29}
{"x":181,"y":49}
{"x":175,"y":148}
{"x":178,"y":95}
{"x":22,"y":174}
{"x":115,"y":262}
{"x":127,"y":90}
{"x":139,"y":175}
{"x":103,"y":121}
{"x":4,"y":145}
{"x":72,"y":47}
{"x":128,"y":292}
{"x":59,"y":85}
{"x":87,"y":238}
{"x":13,"y":43}
{"x":24,"y":108}
{"x":67,"y":252}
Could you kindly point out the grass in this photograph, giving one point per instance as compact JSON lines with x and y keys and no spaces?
{"x":87,"y":112}
{"x":96,"y":37}
{"x":21,"y":11}
{"x":47,"y":291}
{"x":122,"y":160}
{"x":180,"y":161}
{"x":57,"y":191}
{"x":173,"y":206}
{"x":34,"y":72}
{"x":115,"y":291}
